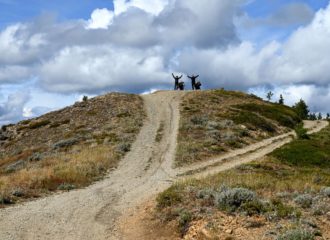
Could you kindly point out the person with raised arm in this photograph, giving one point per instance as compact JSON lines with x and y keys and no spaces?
{"x":176,"y":81}
{"x":193,"y":81}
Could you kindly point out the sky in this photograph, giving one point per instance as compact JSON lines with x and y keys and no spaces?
{"x":54,"y":52}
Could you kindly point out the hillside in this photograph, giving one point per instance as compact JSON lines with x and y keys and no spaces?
{"x":284,"y":195}
{"x":217,"y":121}
{"x":68,"y":148}
{"x":115,"y":207}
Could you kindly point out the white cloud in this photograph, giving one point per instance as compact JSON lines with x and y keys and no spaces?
{"x":13,"y":108}
{"x":93,"y":69}
{"x":100,"y":19}
{"x":304,"y":57}
{"x":153,"y":7}
{"x":18,"y":45}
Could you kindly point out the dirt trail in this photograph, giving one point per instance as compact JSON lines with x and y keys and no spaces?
{"x":93,"y":213}
{"x":247,"y":154}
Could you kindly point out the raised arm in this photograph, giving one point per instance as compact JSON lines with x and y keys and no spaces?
{"x":173,"y":75}
{"x":180,"y":77}
{"x":189,"y":76}
{"x":197,"y":76}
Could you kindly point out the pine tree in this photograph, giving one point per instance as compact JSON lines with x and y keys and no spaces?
{"x":301,"y":109}
{"x":312,"y":116}
{"x":319,"y":117}
{"x":328,"y":116}
{"x":281,"y":100}
{"x":270,"y":95}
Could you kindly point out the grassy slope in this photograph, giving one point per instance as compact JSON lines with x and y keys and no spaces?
{"x":68,"y":148}
{"x":213,"y":122}
{"x":299,"y":168}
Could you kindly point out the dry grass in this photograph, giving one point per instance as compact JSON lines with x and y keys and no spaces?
{"x":160,"y":132}
{"x":78,"y":169}
{"x":58,"y":152}
{"x":213,"y":122}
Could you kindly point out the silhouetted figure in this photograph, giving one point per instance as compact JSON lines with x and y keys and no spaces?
{"x":181,"y":86}
{"x":193,"y":81}
{"x":198,"y":85}
{"x":176,"y":81}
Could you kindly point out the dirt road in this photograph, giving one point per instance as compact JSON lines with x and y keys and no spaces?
{"x":93,"y":213}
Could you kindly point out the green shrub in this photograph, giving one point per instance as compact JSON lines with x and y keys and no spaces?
{"x":304,"y":200}
{"x":326,"y":191}
{"x":38,"y":124}
{"x":124,"y":147}
{"x":65,"y":143}
{"x":185,"y":218}
{"x":253,"y":207}
{"x":301,"y":132}
{"x":169,"y":197}
{"x":66,"y":187}
{"x":297,"y":234}
{"x":230,"y":199}
{"x":282,"y":210}
{"x":199,"y":120}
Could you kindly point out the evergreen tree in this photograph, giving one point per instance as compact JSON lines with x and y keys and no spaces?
{"x":270,"y":95}
{"x":319,"y":117}
{"x":281,"y":100}
{"x":312,"y":116}
{"x":85,"y":98}
{"x":301,"y":109}
{"x":328,"y":116}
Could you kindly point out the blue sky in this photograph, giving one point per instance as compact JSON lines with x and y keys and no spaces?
{"x":95,"y":46}
{"x":262,"y":8}
{"x":12,"y":11}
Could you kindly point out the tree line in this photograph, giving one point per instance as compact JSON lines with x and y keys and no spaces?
{"x":301,"y":109}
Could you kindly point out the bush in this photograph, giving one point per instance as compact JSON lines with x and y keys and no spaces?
{"x":230,"y":199}
{"x":5,"y":200}
{"x":304,"y":200}
{"x":301,"y":132}
{"x":35,"y":125}
{"x":326,"y":191}
{"x":124,"y":147}
{"x":169,"y":197}
{"x":65,"y":143}
{"x":320,"y":208}
{"x":253,"y":207}
{"x":36,"y":157}
{"x":185,"y":218}
{"x":199,"y":120}
{"x":296,"y":234}
{"x":66,"y":187}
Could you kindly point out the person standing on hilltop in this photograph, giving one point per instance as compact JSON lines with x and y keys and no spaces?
{"x":176,"y":81}
{"x":193,"y":81}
